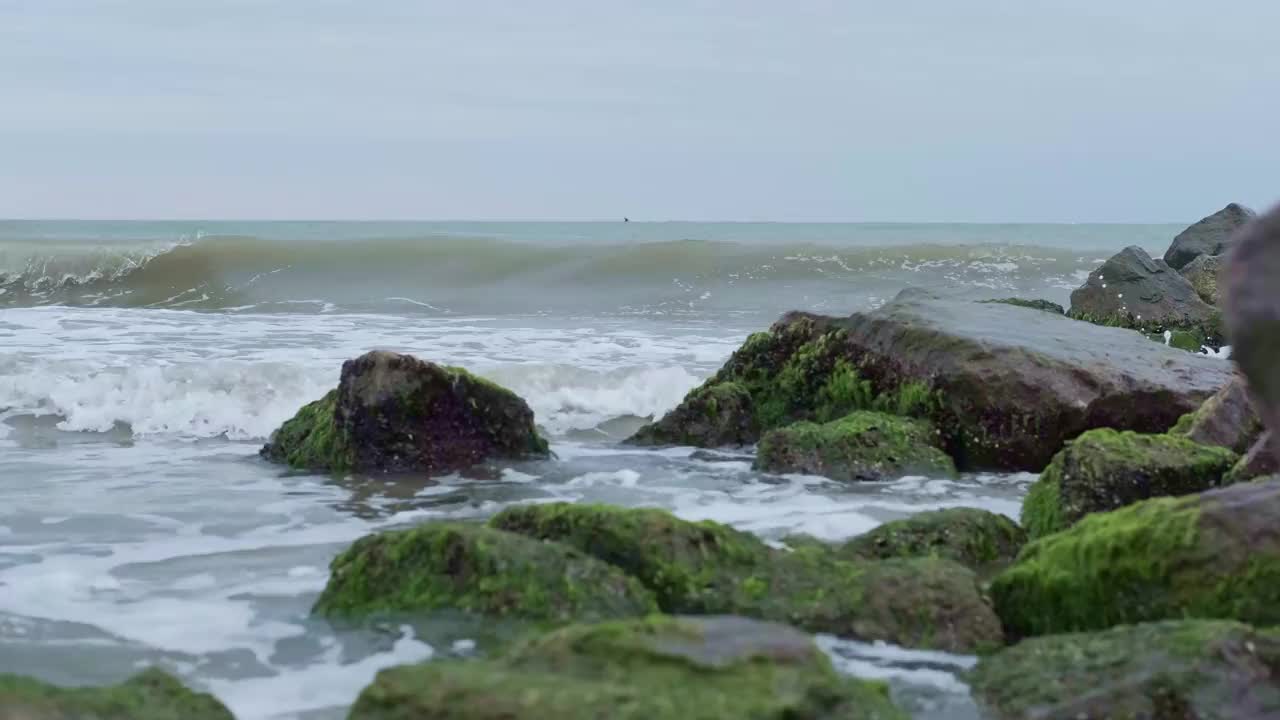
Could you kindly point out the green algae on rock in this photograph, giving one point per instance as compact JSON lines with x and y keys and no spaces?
{"x":1203,"y":274}
{"x":975,"y":538}
{"x":396,"y":413}
{"x":705,"y":568}
{"x":863,"y":445}
{"x":1202,"y":669}
{"x":1213,"y":555}
{"x":1104,"y":470}
{"x":151,"y":695}
{"x":447,"y":566}
{"x":651,"y":669}
{"x":1006,"y":385}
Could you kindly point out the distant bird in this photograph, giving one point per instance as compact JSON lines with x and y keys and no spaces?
{"x":1251,"y":303}
{"x":626,"y":219}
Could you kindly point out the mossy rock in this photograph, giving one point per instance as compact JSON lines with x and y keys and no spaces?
{"x":1213,"y":555}
{"x":977,"y":539}
{"x":704,"y":568}
{"x":1201,"y":669}
{"x":651,"y":669}
{"x":453,"y":566}
{"x":1203,"y":273}
{"x":151,"y":695}
{"x":1104,"y":470}
{"x":862,"y":446}
{"x":1044,"y":305}
{"x":395,"y":413}
{"x":710,"y":416}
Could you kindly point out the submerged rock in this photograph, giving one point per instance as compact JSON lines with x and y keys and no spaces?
{"x":444,"y":566}
{"x":862,"y":446}
{"x":151,"y":695}
{"x":705,"y":568}
{"x":1104,"y":470}
{"x":1227,"y":419}
{"x":1210,"y":236}
{"x":1262,"y":459}
{"x":975,"y":538}
{"x":1201,"y":669}
{"x":1203,"y":273}
{"x":1213,"y":555}
{"x":396,"y":413}
{"x":1131,"y":290}
{"x":655,"y":669}
{"x":1007,"y":386}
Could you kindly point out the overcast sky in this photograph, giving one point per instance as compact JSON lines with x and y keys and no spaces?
{"x":912,"y":110}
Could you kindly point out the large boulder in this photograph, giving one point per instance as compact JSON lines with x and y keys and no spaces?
{"x":1213,"y":555}
{"x":453,"y":566}
{"x":1228,"y":419}
{"x":653,"y":669}
{"x":1210,"y":236}
{"x":705,"y":568}
{"x":1006,"y":385}
{"x":395,"y":413}
{"x":1177,"y":670}
{"x":1131,"y":290}
{"x":1105,"y":469}
{"x":1203,"y":274}
{"x":150,"y":695}
{"x":1252,"y":301}
{"x":862,"y":446}
{"x":977,"y":539}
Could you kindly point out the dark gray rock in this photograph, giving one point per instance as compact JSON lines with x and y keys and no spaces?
{"x":1132,"y":290}
{"x":1209,"y":236}
{"x":1252,"y":304}
{"x":1263,"y":459}
{"x":1203,"y":274}
{"x":1227,"y":419}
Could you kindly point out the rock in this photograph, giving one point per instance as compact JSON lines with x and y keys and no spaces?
{"x":711,"y":416}
{"x":1044,"y":305}
{"x":705,"y":568}
{"x":653,"y":669}
{"x":864,"y":445}
{"x":1131,"y":290}
{"x":151,"y":695}
{"x":1213,"y":555}
{"x":1262,"y":459}
{"x":1203,"y":273}
{"x":441,"y":566}
{"x":1191,"y":669}
{"x":1227,"y":419}
{"x":395,"y":413}
{"x":1210,"y":236}
{"x":1104,"y":470}
{"x":975,"y":538}
{"x":1252,"y":301}
{"x":1007,"y":386}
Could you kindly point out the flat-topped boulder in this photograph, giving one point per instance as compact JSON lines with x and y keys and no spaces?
{"x":1176,"y":670}
{"x":1132,"y":290}
{"x":1215,"y":555}
{"x":1211,"y":235}
{"x":150,"y":695}
{"x":653,"y":669}
{"x":1007,"y":386}
{"x":396,"y":413}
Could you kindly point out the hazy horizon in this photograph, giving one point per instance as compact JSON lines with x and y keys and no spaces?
{"x":991,"y":112}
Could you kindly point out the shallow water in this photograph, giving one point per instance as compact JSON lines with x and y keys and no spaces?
{"x":139,"y":526}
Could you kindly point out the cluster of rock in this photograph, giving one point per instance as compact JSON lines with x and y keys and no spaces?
{"x":1142,"y":582}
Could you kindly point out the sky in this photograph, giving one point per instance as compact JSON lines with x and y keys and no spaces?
{"x":785,"y":110}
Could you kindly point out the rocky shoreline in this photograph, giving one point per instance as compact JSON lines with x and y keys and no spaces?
{"x":1148,"y":550}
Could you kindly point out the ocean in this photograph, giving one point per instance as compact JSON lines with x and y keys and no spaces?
{"x":142,"y":365}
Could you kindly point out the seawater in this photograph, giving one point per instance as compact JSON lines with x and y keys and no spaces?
{"x":143,"y":364}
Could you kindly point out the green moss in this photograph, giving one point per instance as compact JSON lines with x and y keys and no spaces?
{"x":711,"y":415}
{"x":1176,"y":669}
{"x":1105,"y":469}
{"x":705,"y":568}
{"x":655,"y":669}
{"x":860,"y":446}
{"x":312,"y":438}
{"x":1044,"y":305}
{"x":975,"y":538}
{"x":441,"y":566}
{"x":151,"y":695}
{"x":1186,"y":340}
{"x":1208,"y":332}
